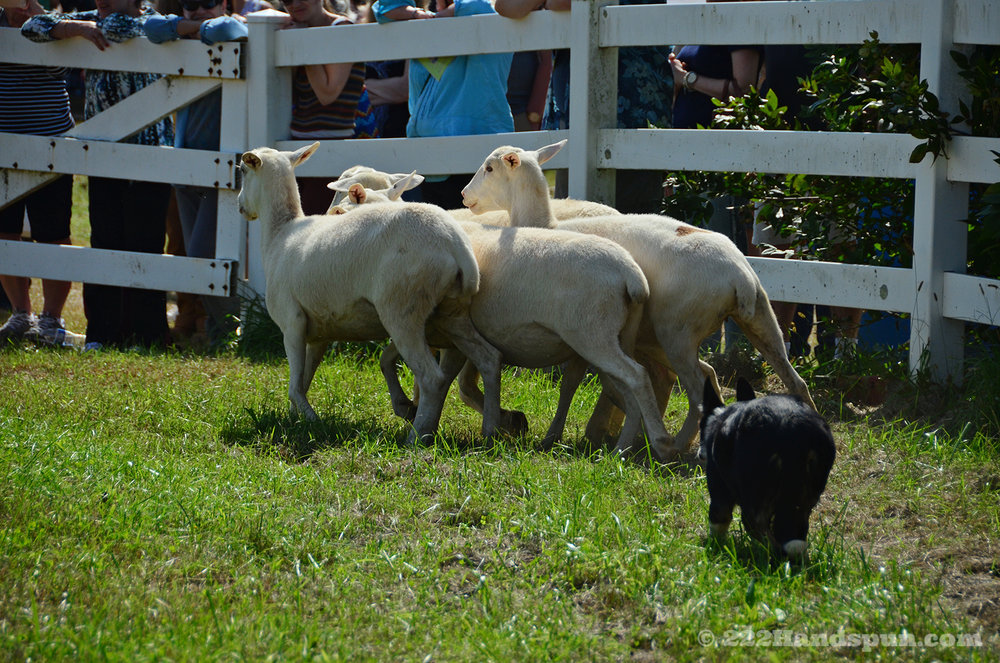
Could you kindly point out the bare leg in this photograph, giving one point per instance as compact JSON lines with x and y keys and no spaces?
{"x":847,"y":323}
{"x":16,"y":287}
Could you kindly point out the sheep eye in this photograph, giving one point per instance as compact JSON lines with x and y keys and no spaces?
{"x":489,"y":169}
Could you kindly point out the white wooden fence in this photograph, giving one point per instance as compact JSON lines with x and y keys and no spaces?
{"x":255,"y":80}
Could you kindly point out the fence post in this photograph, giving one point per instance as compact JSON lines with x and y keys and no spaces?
{"x":593,"y":103}
{"x":940,"y":231}
{"x":231,"y":231}
{"x":268,"y":111}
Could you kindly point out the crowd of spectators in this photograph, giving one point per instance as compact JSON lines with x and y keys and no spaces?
{"x":424,"y":97}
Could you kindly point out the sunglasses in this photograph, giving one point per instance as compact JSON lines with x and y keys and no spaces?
{"x":193,"y":5}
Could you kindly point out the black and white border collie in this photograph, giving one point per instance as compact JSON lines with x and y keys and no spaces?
{"x":771,"y":456}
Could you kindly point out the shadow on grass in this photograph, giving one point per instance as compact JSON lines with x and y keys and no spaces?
{"x":825,"y":558}
{"x":296,"y":439}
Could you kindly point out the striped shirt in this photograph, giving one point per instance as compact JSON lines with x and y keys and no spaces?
{"x":33,"y":99}
{"x":311,"y":119}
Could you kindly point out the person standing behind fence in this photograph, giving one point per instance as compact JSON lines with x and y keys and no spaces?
{"x":325,"y":99}
{"x":34,"y":100}
{"x":125,"y":214}
{"x":645,"y":97}
{"x":244,"y":7}
{"x":462,"y":95}
{"x":198,"y":127}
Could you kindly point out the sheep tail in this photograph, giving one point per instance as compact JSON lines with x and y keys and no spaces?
{"x":636,"y":287}
{"x":468,"y":268}
{"x":636,"y":296}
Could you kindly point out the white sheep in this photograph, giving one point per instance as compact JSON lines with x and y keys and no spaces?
{"x":586,"y":312}
{"x":370,"y":178}
{"x":403,"y":272}
{"x":697,"y":278}
{"x":393,"y":186}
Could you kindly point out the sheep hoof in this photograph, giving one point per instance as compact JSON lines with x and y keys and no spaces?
{"x":415,"y":439}
{"x":548,"y":442}
{"x":306,"y":413}
{"x":600,"y":442}
{"x":409,"y":413}
{"x":514,"y":423}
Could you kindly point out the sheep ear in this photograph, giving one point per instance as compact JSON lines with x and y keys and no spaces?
{"x":549,"y":151}
{"x":353,"y":170}
{"x":335,"y":210}
{"x":512,"y":159}
{"x":251,"y":160}
{"x":357,"y":194}
{"x":302,"y":154}
{"x":409,"y":182}
{"x":343,"y":184}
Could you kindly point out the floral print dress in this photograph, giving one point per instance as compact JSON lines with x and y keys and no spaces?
{"x":106,"y":88}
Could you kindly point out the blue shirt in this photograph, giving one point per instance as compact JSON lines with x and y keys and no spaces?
{"x":470,"y":95}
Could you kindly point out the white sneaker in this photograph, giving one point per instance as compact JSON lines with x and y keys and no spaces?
{"x":17,"y":325}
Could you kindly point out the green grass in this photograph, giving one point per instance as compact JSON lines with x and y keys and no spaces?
{"x":164,"y":507}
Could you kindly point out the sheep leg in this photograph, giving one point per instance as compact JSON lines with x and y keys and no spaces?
{"x":512,"y":422}
{"x":641,"y":407}
{"x":314,"y":357}
{"x":486,"y":359}
{"x":410,"y":338}
{"x":402,"y":406}
{"x":295,"y":350}
{"x":607,"y":417}
{"x":662,"y":380}
{"x":608,"y":357}
{"x":682,"y":352}
{"x":573,"y":373}
{"x":764,"y":333}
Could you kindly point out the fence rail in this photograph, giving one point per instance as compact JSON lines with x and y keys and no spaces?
{"x":255,"y":79}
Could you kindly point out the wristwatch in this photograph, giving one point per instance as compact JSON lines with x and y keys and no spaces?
{"x":689,"y":79}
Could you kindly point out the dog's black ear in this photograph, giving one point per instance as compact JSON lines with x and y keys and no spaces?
{"x":744,"y":392}
{"x":710,"y":399}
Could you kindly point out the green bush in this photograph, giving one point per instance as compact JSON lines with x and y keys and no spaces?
{"x":873,"y":87}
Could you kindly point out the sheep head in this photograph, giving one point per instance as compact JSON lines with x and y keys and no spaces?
{"x":505,"y":175}
{"x":268,"y":177}
{"x":356,"y":193}
{"x":371,"y":179}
